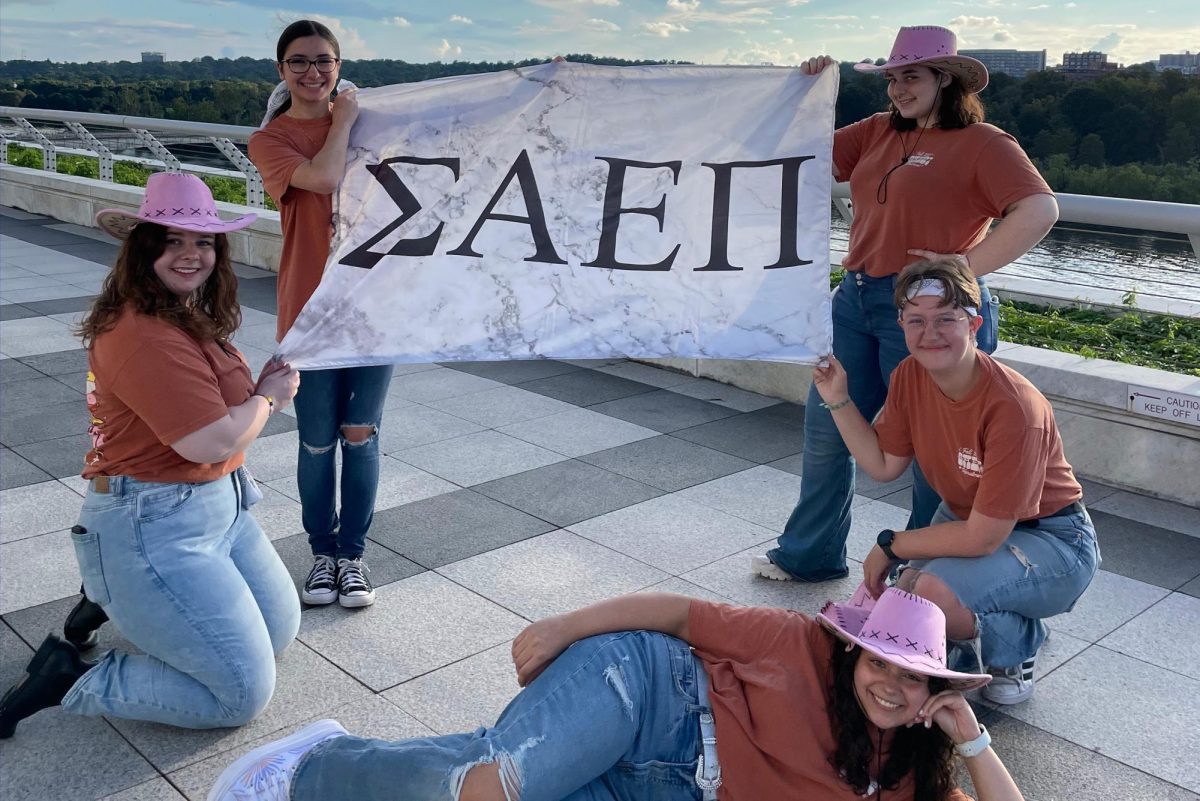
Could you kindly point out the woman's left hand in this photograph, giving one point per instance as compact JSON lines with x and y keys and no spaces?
{"x":928,"y":255}
{"x":953,"y":715}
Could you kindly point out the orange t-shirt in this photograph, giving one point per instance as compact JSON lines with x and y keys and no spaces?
{"x":151,"y":384}
{"x":769,"y":677}
{"x":305,"y":217}
{"x":954,"y":184}
{"x":996,"y":450}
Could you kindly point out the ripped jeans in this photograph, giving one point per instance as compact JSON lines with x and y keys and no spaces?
{"x":1038,"y":572}
{"x":329,"y":400}
{"x":614,"y":717}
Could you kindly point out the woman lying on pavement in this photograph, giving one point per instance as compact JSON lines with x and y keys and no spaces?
{"x":1011,"y":543}
{"x":616,"y":705}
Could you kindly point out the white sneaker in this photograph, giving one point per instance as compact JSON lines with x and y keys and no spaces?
{"x":321,"y":585}
{"x":354,"y":588}
{"x":266,"y":772}
{"x":1011,"y":685}
{"x":763,"y":566}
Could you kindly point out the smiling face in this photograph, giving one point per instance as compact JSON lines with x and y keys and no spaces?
{"x":914,"y":91}
{"x":939,"y":335}
{"x":311,"y":88}
{"x":888,"y":695}
{"x":187,"y":261}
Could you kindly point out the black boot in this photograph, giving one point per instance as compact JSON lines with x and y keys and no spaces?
{"x":55,"y":667}
{"x":82,"y":623}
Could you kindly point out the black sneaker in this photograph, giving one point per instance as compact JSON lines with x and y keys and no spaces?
{"x":321,"y":585}
{"x":354,"y":588}
{"x":82,"y":623}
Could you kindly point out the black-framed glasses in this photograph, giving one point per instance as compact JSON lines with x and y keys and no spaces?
{"x":299,"y":64}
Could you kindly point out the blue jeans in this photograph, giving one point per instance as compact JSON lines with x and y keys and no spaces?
{"x":1040,"y":571}
{"x":328,"y":401}
{"x":869,"y":343}
{"x":614,"y":717}
{"x":188,"y":576}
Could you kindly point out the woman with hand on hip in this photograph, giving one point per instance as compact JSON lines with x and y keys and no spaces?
{"x":166,"y":543}
{"x":301,"y":153}
{"x":927,"y":179}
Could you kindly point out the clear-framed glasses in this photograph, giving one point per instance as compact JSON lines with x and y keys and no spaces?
{"x":300,"y":64}
{"x":942,"y":323}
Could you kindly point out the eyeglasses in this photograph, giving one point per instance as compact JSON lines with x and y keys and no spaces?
{"x":300,"y":64}
{"x":941,"y":323}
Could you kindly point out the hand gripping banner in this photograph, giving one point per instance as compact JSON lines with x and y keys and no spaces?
{"x":575,"y":211}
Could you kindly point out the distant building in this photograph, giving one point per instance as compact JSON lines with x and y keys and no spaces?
{"x":1087,"y":65}
{"x":153,"y":57}
{"x":1017,"y":63}
{"x":1186,"y":62}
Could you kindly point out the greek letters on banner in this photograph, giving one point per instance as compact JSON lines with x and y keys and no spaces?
{"x":576,"y":211}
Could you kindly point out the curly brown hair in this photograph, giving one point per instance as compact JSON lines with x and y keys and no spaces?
{"x":958,"y":108}
{"x":927,"y":753}
{"x":211,"y":314}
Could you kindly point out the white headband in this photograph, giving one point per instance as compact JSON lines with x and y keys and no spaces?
{"x":281,"y":94}
{"x":931,"y":287}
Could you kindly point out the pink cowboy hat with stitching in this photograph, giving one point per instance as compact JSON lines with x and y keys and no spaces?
{"x":934,"y":47}
{"x":900,"y":628}
{"x":174,"y":200}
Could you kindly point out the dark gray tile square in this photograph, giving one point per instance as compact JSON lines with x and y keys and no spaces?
{"x":1146,"y":553}
{"x":92,"y":250}
{"x":278,"y":424}
{"x":443,"y":529}
{"x":44,"y":236}
{"x":76,"y":381}
{"x":61,"y":363}
{"x":60,"y":457}
{"x":663,"y":411}
{"x":514,"y":372}
{"x":865,"y":485}
{"x":568,"y":492}
{"x":81,"y":302}
{"x":16,"y":471}
{"x":667,"y":463}
{"x":586,"y":387}
{"x":755,"y":436}
{"x":383,"y":566}
{"x":14,"y":370}
{"x":1192,"y":588}
{"x":34,"y":623}
{"x":901,"y":498}
{"x":36,"y":393}
{"x":258,"y":293}
{"x":15,"y":311}
{"x":48,"y":422}
{"x":793,"y":464}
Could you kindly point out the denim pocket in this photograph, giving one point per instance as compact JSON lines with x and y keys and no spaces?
{"x":160,"y":503}
{"x":91,"y":567}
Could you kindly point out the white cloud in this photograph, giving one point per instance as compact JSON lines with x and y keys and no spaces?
{"x":447,"y":49}
{"x":1107,"y":43}
{"x":461,"y":19}
{"x":399,"y":22}
{"x":351,"y":42}
{"x":986,"y":23}
{"x":595,"y":24}
{"x":683,"y":5}
{"x":663,"y":29}
{"x":606,"y":2}
{"x":1002,"y":36}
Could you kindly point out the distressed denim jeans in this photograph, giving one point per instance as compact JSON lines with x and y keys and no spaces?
{"x":327,"y":401}
{"x":615,"y":717}
{"x":187,"y":575}
{"x":870,"y":344}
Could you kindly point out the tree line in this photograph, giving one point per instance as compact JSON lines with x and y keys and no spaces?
{"x":1144,"y":122}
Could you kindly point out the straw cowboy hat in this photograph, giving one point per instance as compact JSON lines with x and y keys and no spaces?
{"x":934,"y":47}
{"x":174,"y":200}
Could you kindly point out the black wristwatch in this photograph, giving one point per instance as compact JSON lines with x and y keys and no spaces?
{"x":884,"y":541}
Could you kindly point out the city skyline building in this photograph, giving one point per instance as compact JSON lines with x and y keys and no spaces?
{"x":1017,"y":63}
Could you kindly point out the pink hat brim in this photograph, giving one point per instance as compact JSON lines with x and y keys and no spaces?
{"x":118,"y":223}
{"x":971,"y":71}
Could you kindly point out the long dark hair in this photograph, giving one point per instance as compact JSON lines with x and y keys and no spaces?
{"x":927,"y":753}
{"x":959,"y":108}
{"x":211,"y":314}
{"x":298,"y":30}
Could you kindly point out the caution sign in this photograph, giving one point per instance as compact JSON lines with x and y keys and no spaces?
{"x":1178,"y":407}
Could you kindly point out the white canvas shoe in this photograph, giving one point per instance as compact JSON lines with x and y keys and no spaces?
{"x":764,"y":567}
{"x":266,"y":772}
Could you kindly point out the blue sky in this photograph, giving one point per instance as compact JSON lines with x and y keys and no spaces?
{"x":705,"y":31}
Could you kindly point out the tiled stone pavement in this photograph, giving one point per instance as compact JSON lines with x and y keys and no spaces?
{"x":515,"y":490}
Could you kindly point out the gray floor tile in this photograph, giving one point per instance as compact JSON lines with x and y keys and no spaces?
{"x":724,"y":395}
{"x":18,"y":472}
{"x":732,"y":578}
{"x":1098,"y":698}
{"x":762,"y":495}
{"x":37,"y":509}
{"x":48,"y":422}
{"x":59,"y":457}
{"x":446,"y":528}
{"x":153,"y":790}
{"x":865,"y":485}
{"x":514,"y":372}
{"x":1160,"y":637}
{"x":586,"y":387}
{"x":1152,"y":511}
{"x":1110,"y":602}
{"x":647,"y":374}
{"x":493,"y":408}
{"x":12,"y":370}
{"x":35,"y":622}
{"x":663,"y":410}
{"x":431,"y":385}
{"x":667,"y":463}
{"x":416,"y":425}
{"x":901,"y":498}
{"x":15,"y":311}
{"x":672,"y":534}
{"x":867,"y":520}
{"x":577,"y":432}
{"x":384,"y":566}
{"x":1147,"y":553}
{"x":273,"y":457}
{"x":416,"y":625}
{"x":36,"y":393}
{"x":278,"y":424}
{"x":399,"y":483}
{"x":567,"y":492}
{"x":1192,"y":588}
{"x":462,"y":696}
{"x":48,"y":571}
{"x":759,"y":437}
{"x":1094,"y":491}
{"x":679,"y":586}
{"x":551,"y":574}
{"x":476,"y":458}
{"x":1058,"y":649}
{"x":793,"y":464}
{"x":67,"y":361}
{"x":277,"y":514}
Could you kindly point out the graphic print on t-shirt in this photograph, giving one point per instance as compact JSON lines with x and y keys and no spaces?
{"x":95,"y":429}
{"x":969,"y":462}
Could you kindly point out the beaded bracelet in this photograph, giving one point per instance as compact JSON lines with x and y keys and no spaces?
{"x":834,"y":407}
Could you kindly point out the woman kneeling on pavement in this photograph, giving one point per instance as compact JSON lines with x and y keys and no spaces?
{"x":1011,"y":543}
{"x":770,"y":704}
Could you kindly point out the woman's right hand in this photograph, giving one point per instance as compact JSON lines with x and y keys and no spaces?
{"x":815,"y":64}
{"x":278,"y":380}
{"x":831,"y":382}
{"x":539,"y":645}
{"x":345,"y":107}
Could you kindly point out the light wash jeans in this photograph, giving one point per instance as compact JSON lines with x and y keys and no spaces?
{"x":869,"y":343}
{"x":1040,"y":571}
{"x":187,"y":575}
{"x":328,"y":400}
{"x":614,"y":717}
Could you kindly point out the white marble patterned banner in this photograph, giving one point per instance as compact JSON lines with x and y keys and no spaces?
{"x":576,"y":211}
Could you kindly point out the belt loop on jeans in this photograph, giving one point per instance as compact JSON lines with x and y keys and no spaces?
{"x":708,"y":768}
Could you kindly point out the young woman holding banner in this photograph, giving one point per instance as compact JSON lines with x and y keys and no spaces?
{"x":301,"y":153}
{"x":927,"y":178}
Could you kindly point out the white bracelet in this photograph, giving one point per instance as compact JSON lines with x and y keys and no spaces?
{"x":974,"y":747}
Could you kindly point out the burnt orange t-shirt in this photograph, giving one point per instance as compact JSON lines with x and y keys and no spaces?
{"x":149,"y":385}
{"x":306,"y":218}
{"x":997,"y":450}
{"x":954,"y":184}
{"x":769,"y":676}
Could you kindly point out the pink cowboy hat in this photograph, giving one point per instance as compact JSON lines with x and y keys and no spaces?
{"x":174,"y":200}
{"x":934,"y":47}
{"x":900,"y":628}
